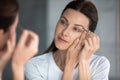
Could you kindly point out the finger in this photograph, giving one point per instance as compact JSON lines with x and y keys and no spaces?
{"x":90,"y":43}
{"x":73,"y":46}
{"x":82,"y":38}
{"x":95,"y":41}
{"x":8,"y":46}
{"x":98,"y":42}
{"x":32,"y":42}
{"x":89,"y":34}
{"x":23,"y":38}
{"x":33,"y":39}
{"x":86,"y":43}
{"x":12,"y":39}
{"x":9,"y":49}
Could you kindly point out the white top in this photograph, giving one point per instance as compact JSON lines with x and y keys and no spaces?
{"x":43,"y":67}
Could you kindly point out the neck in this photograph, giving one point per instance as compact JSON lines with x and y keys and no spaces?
{"x":60,"y":58}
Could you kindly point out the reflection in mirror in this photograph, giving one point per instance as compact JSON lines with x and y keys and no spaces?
{"x":108,"y":29}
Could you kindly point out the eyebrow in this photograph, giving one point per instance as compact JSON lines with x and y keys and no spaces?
{"x":82,"y":27}
{"x":79,"y":25}
{"x":76,"y":24}
{"x":64,"y":18}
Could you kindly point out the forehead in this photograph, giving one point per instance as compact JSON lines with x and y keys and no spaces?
{"x":75,"y":17}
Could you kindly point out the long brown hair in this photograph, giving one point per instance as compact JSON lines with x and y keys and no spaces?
{"x":8,"y":11}
{"x":85,"y":7}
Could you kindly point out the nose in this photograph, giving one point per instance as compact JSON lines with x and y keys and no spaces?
{"x":65,"y":31}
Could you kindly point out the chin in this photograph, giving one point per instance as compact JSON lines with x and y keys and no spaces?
{"x":61,"y":47}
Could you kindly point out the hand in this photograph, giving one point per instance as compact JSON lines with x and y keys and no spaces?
{"x":7,"y":50}
{"x":26,"y":48}
{"x":74,"y":50}
{"x":91,"y":45}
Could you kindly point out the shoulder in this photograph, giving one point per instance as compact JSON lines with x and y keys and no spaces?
{"x":37,"y":67}
{"x":100,"y":66}
{"x":37,"y":62}
{"x":38,"y":59}
{"x":99,"y":60}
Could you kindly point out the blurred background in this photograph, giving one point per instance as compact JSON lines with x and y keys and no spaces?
{"x":41,"y":16}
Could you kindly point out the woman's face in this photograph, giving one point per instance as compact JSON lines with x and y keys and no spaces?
{"x":69,"y":27}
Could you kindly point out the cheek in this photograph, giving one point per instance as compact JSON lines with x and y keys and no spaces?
{"x":74,"y":37}
{"x":58,"y":30}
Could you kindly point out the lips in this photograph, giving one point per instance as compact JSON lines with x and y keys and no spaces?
{"x":62,"y":40}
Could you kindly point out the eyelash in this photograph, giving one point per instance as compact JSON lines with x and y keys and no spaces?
{"x":63,"y":22}
{"x":76,"y":29}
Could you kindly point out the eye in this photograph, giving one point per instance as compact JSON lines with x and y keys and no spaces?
{"x":77,"y":29}
{"x":63,"y":22}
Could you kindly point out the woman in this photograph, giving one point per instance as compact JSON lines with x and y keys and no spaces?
{"x":71,"y":54}
{"x":9,"y":13}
